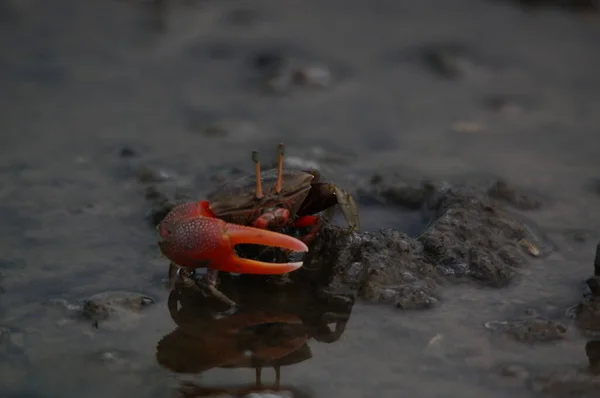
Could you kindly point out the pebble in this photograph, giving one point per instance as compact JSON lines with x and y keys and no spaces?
{"x":468,"y":127}
{"x":319,"y":76}
{"x":516,"y":371}
{"x":126,"y":152}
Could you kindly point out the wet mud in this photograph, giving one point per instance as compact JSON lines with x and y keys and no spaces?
{"x":466,"y":132}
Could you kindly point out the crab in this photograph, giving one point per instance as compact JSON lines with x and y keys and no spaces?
{"x":203,"y":234}
{"x":293,"y":199}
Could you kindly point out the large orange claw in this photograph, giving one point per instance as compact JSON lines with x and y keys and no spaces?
{"x":194,"y":239}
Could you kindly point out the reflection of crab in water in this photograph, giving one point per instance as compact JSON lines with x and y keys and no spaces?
{"x":272,"y":329}
{"x":204,"y":234}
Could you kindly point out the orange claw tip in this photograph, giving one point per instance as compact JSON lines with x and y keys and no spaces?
{"x":246,"y":266}
{"x":239,"y":234}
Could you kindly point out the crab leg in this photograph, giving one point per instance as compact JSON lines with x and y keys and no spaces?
{"x":259,"y":192}
{"x":314,"y":222}
{"x":279,"y":168}
{"x":210,"y":284}
{"x":209,"y":242}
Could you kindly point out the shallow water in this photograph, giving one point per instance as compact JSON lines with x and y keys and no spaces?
{"x":81,"y":80}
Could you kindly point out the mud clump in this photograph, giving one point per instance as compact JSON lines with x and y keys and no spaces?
{"x":384,"y":267}
{"x":469,"y":237}
{"x":114,"y":308}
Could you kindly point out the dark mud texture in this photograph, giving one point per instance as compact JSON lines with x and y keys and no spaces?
{"x":470,"y":237}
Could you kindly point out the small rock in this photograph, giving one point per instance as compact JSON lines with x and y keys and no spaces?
{"x":148,"y":174}
{"x":415,"y":297}
{"x":118,"y":307}
{"x":516,"y":371}
{"x":127,"y":152}
{"x":312,"y":76}
{"x":304,"y":76}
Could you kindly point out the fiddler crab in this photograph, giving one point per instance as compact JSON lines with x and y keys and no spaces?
{"x":203,"y":234}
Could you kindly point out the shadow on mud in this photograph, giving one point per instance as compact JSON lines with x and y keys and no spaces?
{"x":272,"y":328}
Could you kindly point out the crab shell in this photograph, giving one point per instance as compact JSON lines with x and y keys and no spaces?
{"x":301,"y":193}
{"x":235,"y":202}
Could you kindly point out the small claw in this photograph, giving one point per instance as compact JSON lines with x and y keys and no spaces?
{"x":209,"y":242}
{"x":349,"y":208}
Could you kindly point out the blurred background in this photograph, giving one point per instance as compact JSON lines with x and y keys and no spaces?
{"x":101,"y":97}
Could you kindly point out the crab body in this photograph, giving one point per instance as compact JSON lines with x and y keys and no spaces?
{"x":203,"y":234}
{"x":236,"y":201}
{"x":301,"y":196}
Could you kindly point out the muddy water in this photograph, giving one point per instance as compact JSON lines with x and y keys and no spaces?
{"x":81,"y":80}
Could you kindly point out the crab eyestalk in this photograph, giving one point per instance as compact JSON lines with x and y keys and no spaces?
{"x":280,"y":151}
{"x":259,"y":192}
